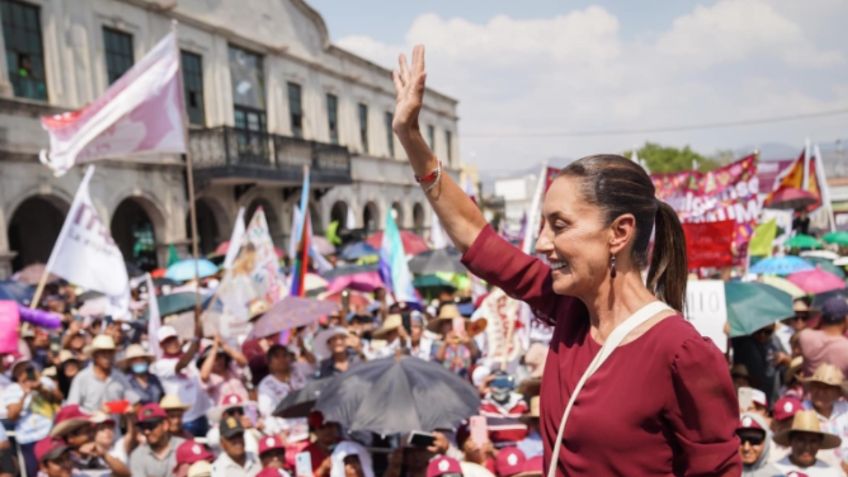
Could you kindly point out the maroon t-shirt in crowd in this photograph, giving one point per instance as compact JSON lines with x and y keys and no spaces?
{"x":661,"y":405}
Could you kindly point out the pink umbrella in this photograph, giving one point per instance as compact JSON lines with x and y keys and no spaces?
{"x":816,"y":281}
{"x":362,"y":281}
{"x":291,"y":312}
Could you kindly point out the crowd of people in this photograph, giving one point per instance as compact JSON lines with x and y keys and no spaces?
{"x":99,"y":396}
{"x":790,"y":380}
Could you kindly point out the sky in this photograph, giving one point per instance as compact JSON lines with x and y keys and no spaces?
{"x":546,"y":78}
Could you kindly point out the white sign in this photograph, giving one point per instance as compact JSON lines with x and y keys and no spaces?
{"x":706,"y":309}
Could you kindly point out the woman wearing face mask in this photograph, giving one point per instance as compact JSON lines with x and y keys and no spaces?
{"x":136,"y":363}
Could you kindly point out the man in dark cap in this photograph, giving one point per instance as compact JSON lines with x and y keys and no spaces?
{"x":158,"y":455}
{"x":234,"y":461}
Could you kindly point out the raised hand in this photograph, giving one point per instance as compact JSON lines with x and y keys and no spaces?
{"x":409,"y":86}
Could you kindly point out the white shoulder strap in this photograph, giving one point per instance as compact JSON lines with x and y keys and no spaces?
{"x":613,"y":340}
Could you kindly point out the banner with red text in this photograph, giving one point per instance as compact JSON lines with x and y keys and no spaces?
{"x":727,"y":193}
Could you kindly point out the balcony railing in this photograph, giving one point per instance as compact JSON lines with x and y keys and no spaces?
{"x":229,"y":154}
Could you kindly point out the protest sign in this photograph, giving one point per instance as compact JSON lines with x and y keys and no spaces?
{"x":10,"y":319}
{"x":727,"y":193}
{"x":706,"y":309}
{"x":709,"y":244}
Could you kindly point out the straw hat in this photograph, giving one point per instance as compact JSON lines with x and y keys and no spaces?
{"x":807,"y":421}
{"x":392,"y":323}
{"x":135,"y":351}
{"x":102,"y":343}
{"x":827,"y":374}
{"x":256,"y":309}
{"x":200,"y":469}
{"x":171,"y":402}
{"x":447,"y":312}
{"x":66,"y":355}
{"x":794,"y":369}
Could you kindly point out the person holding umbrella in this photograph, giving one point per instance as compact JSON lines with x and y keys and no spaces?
{"x":598,"y":219}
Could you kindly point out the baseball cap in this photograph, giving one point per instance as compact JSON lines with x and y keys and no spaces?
{"x":50,"y":448}
{"x":230,"y":401}
{"x":270,"y":443}
{"x":68,"y":418}
{"x":443,"y":465}
{"x":510,"y":461}
{"x":191,"y":451}
{"x":151,"y":412}
{"x":834,"y":310}
{"x":165,"y":332}
{"x":230,"y":427}
{"x":758,"y":397}
{"x":747,"y":422}
{"x":786,"y":407}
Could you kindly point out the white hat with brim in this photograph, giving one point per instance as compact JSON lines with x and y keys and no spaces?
{"x":807,"y":421}
{"x":165,"y":333}
{"x":321,"y":347}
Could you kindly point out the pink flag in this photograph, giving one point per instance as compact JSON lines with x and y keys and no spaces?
{"x":140,"y":113}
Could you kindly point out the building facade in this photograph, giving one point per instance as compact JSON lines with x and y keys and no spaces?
{"x":266,"y":93}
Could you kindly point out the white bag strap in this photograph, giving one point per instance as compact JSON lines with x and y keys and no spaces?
{"x":613,"y":340}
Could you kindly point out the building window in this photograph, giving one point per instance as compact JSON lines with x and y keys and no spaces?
{"x":24,"y":50}
{"x":193,"y":86}
{"x":295,"y":109}
{"x":390,"y":135}
{"x":431,"y":137}
{"x":449,"y":146}
{"x":333,"y":117}
{"x":119,"y":53}
{"x":363,"y":127}
{"x":247,"y":75}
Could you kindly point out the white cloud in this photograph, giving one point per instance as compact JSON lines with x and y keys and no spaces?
{"x":734,"y":59}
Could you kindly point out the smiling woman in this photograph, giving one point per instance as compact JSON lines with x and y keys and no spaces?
{"x":615,"y":336}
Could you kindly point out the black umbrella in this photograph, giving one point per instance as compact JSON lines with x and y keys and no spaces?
{"x":398,"y":395}
{"x":435,"y":261}
{"x":301,"y":402}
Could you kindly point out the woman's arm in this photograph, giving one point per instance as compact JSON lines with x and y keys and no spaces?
{"x":458,"y":214}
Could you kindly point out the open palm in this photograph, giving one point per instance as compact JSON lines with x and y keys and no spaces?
{"x":409,"y":86}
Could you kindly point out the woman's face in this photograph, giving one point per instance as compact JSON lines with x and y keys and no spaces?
{"x":574,"y":239}
{"x":171,"y":345}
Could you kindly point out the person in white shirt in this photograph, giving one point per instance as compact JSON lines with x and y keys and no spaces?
{"x":283,"y":379}
{"x":806,"y":439}
{"x":179,"y":375}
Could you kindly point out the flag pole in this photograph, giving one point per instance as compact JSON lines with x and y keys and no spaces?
{"x":42,"y":282}
{"x":190,"y":179}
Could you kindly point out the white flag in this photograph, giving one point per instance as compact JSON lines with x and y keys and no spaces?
{"x":235,"y":240}
{"x":438,"y":237}
{"x":85,"y":253}
{"x":140,"y":113}
{"x":154,"y":320}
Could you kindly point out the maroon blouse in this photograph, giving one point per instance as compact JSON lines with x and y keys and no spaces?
{"x":661,"y":405}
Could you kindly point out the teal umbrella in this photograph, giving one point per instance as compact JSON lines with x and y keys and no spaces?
{"x":840,"y":237}
{"x":176,"y":303}
{"x":826,"y":265}
{"x":754,"y":305}
{"x":804,"y":241}
{"x":431,"y":281}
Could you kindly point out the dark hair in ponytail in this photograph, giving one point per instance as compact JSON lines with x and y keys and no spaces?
{"x":620,"y":186}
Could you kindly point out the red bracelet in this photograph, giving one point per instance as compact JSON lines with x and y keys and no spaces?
{"x":433,"y":175}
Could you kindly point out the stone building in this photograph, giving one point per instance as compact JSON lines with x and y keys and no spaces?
{"x":266,"y":92}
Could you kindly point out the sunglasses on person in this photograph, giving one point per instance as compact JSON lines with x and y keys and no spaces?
{"x":753,"y":438}
{"x":148,"y":426}
{"x":234,"y":412}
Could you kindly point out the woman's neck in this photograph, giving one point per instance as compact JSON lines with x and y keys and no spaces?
{"x":616,"y":300}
